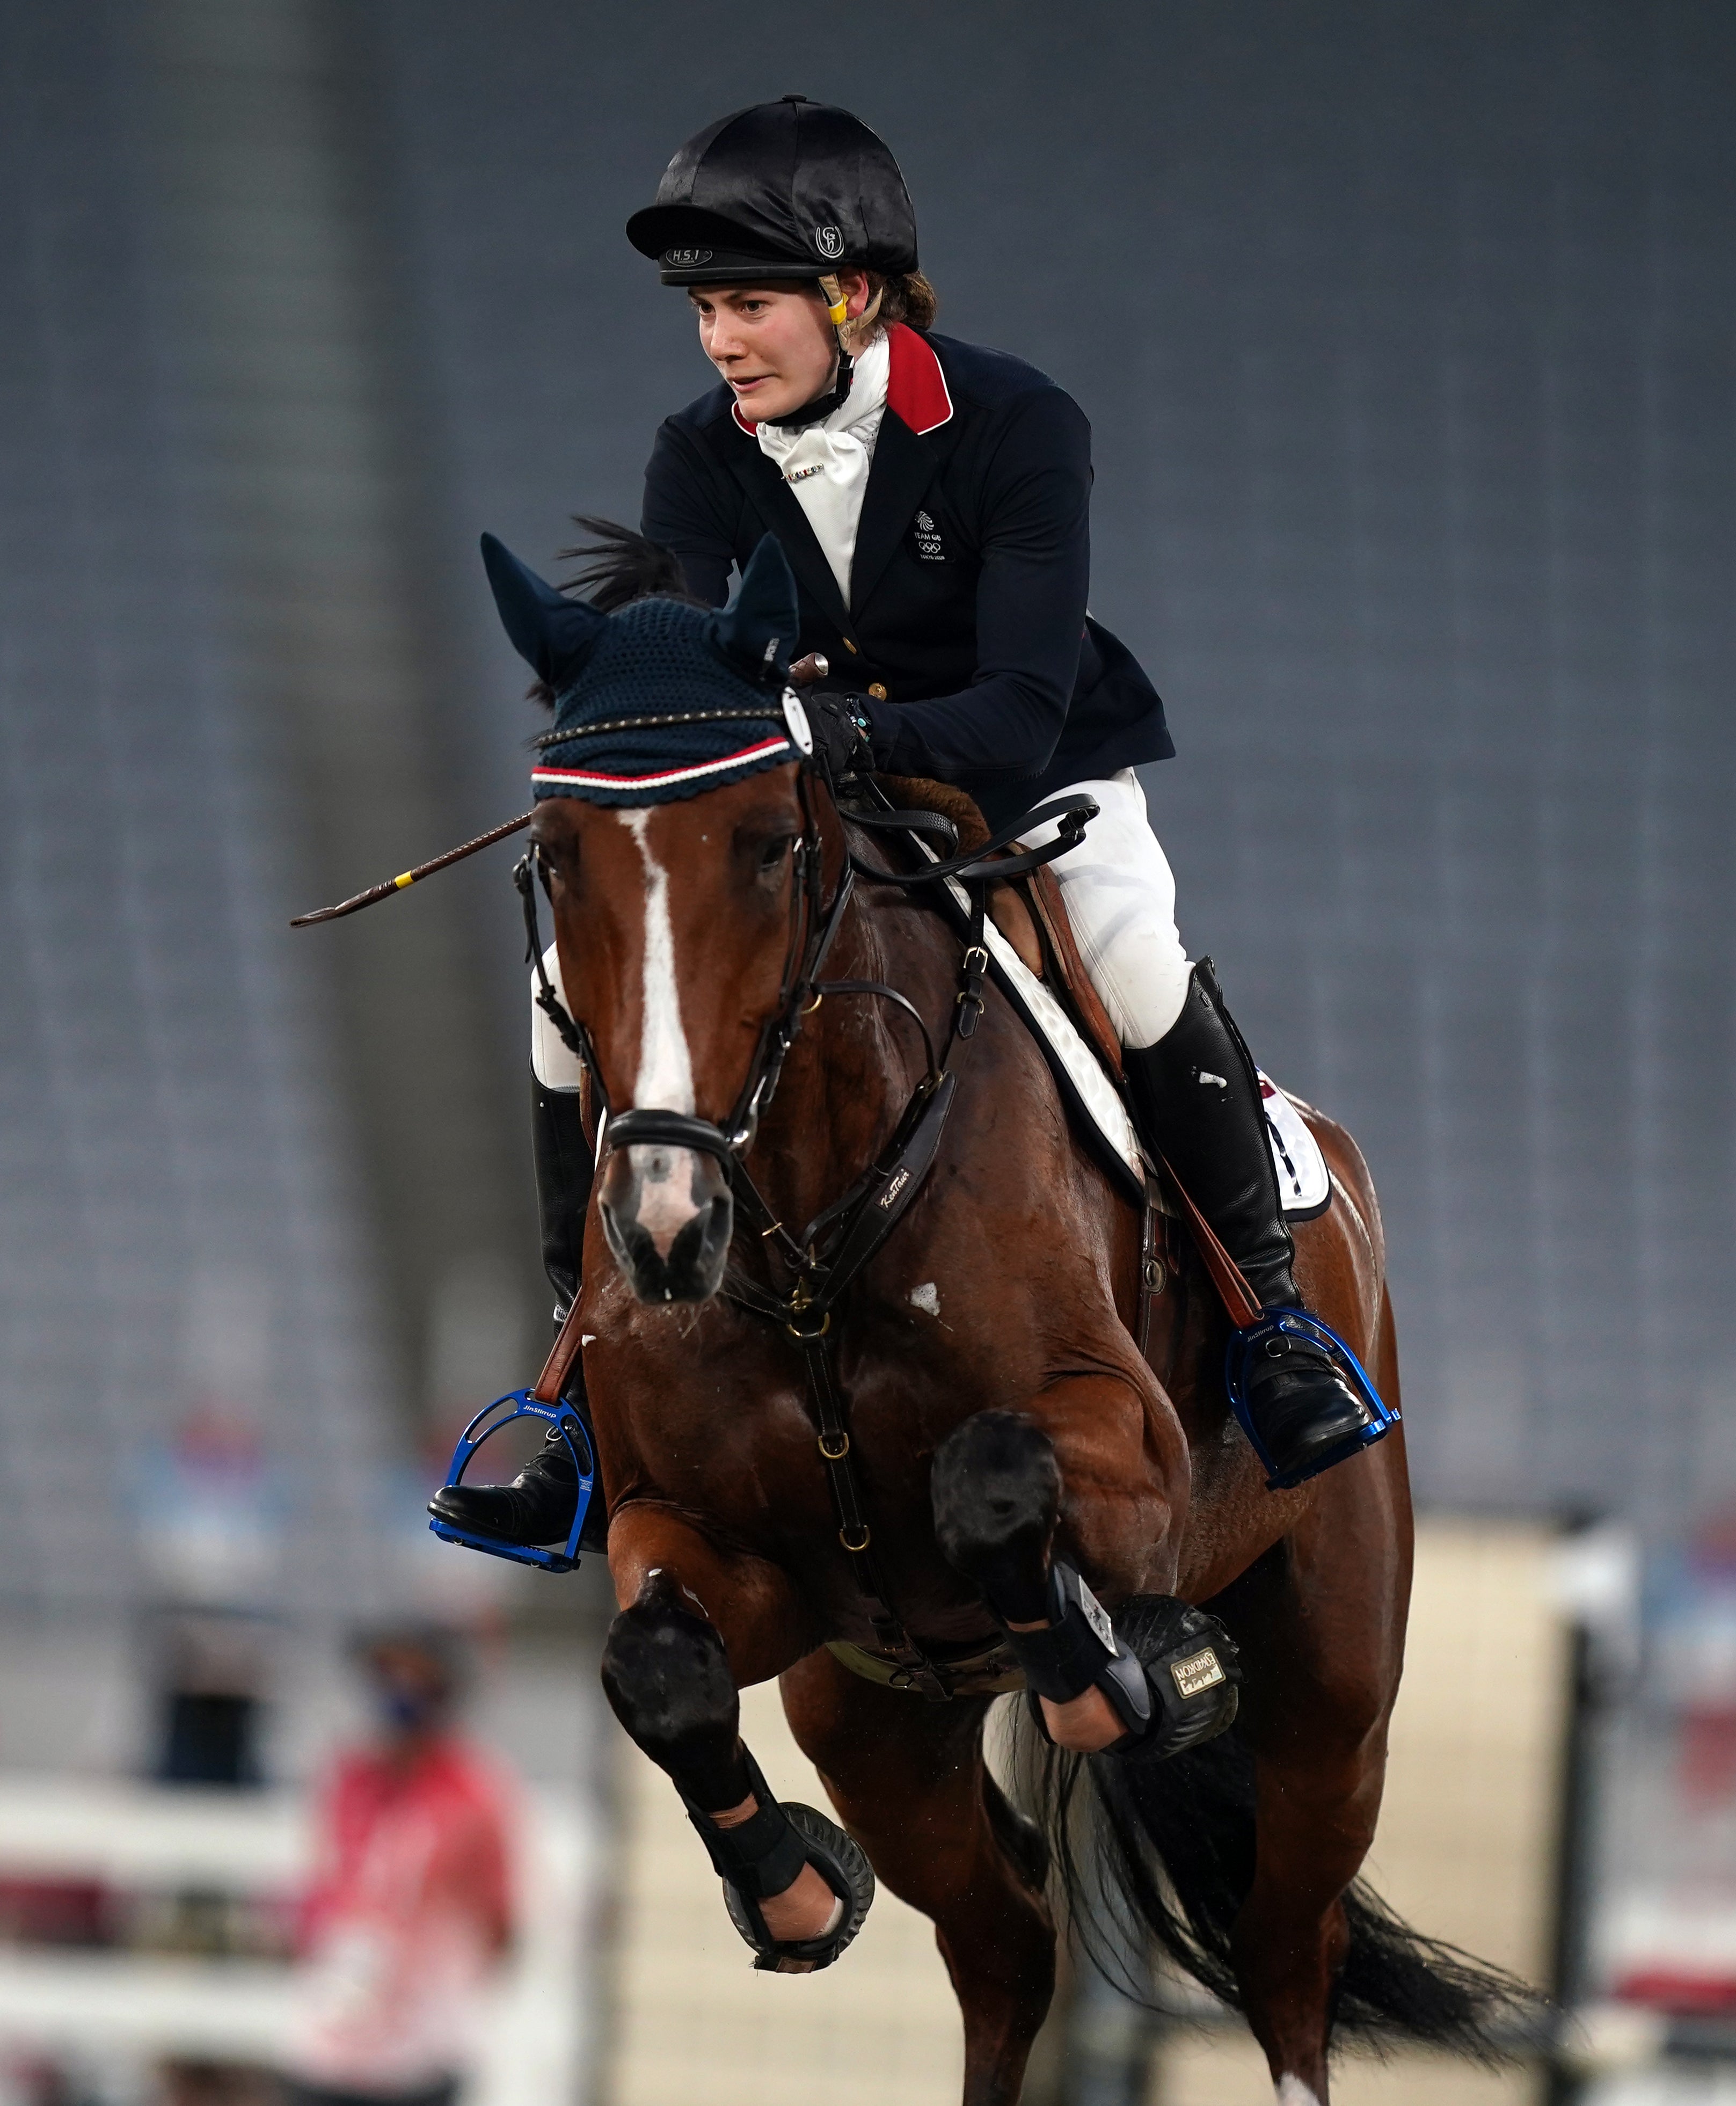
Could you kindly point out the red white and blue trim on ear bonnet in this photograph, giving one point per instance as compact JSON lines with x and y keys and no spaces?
{"x":659,"y":700}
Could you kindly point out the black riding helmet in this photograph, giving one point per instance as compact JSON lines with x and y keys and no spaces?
{"x":785,"y":190}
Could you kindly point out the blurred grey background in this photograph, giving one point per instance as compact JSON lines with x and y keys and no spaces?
{"x":1406,"y":333}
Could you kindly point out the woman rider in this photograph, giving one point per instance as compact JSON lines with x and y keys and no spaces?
{"x":932,"y":498}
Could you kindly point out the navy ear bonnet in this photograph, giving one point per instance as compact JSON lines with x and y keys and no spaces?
{"x":653,"y":663}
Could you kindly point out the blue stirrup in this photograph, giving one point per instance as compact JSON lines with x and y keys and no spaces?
{"x":1298,"y":1324}
{"x":483,"y":1427}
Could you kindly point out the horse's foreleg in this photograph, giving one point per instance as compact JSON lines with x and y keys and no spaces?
{"x":688,"y":1627}
{"x":1074,"y":1470}
{"x":908,"y":1776}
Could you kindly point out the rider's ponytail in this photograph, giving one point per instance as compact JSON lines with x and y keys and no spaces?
{"x":910,"y":298}
{"x":907,"y":299}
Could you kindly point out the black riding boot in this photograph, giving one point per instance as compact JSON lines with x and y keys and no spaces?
{"x":537,"y":1507}
{"x":1197,"y":1097}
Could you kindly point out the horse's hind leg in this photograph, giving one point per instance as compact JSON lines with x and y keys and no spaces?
{"x":1321,"y":1621}
{"x":908,"y":1777}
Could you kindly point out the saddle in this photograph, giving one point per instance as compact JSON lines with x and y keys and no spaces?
{"x":1020,"y":909}
{"x":1037,"y":961}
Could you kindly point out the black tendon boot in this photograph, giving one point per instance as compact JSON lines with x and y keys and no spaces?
{"x":537,"y":1507}
{"x":1197,"y":1097}
{"x":764,"y":1855}
{"x":1172,"y":1674}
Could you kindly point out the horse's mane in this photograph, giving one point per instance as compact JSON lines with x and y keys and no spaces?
{"x":620,"y":568}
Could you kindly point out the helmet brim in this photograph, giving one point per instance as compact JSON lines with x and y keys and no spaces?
{"x":695,"y":246}
{"x":721,"y":270}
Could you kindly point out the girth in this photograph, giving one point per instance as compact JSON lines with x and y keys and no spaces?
{"x":975,"y":1670}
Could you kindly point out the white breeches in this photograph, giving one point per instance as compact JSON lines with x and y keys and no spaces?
{"x":1120,"y":898}
{"x":552,"y":1062}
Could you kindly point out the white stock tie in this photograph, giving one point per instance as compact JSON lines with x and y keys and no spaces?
{"x":826,"y":464}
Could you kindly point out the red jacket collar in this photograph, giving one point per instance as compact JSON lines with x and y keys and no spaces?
{"x":916,"y":386}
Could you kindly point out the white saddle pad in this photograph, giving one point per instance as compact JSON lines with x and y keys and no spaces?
{"x":1085,"y":1086}
{"x":1091,"y":1096}
{"x":1304,"y":1179}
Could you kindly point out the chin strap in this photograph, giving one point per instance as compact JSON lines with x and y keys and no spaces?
{"x":837,"y":313}
{"x":822,"y":405}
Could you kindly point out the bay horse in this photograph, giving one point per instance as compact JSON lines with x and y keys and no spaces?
{"x":985,"y":1358}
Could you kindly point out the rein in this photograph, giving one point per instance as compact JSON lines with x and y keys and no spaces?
{"x":832,"y":1251}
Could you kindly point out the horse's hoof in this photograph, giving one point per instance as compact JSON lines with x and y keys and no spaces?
{"x":841,"y":1863}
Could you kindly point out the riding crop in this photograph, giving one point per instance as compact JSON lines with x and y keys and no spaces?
{"x":376,"y":893}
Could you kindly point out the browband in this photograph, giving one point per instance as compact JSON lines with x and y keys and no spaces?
{"x":773,"y":714}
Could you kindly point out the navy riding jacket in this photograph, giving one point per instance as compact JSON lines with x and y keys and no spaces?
{"x":967,"y":626}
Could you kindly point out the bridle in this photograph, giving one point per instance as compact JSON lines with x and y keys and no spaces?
{"x":813,"y":926}
{"x":831,"y":1251}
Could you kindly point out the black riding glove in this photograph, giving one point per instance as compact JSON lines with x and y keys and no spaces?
{"x":839,"y":725}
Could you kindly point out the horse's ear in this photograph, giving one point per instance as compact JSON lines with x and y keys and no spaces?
{"x":759,"y":628}
{"x":550,"y":632}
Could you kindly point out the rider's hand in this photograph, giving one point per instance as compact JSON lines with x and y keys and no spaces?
{"x":839,"y":724}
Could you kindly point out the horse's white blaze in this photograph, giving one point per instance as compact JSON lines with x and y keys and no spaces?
{"x":926,"y":1298}
{"x":665,"y":1081}
{"x":1292,"y":2092}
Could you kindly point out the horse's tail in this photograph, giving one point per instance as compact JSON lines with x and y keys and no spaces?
{"x":1166,"y":1855}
